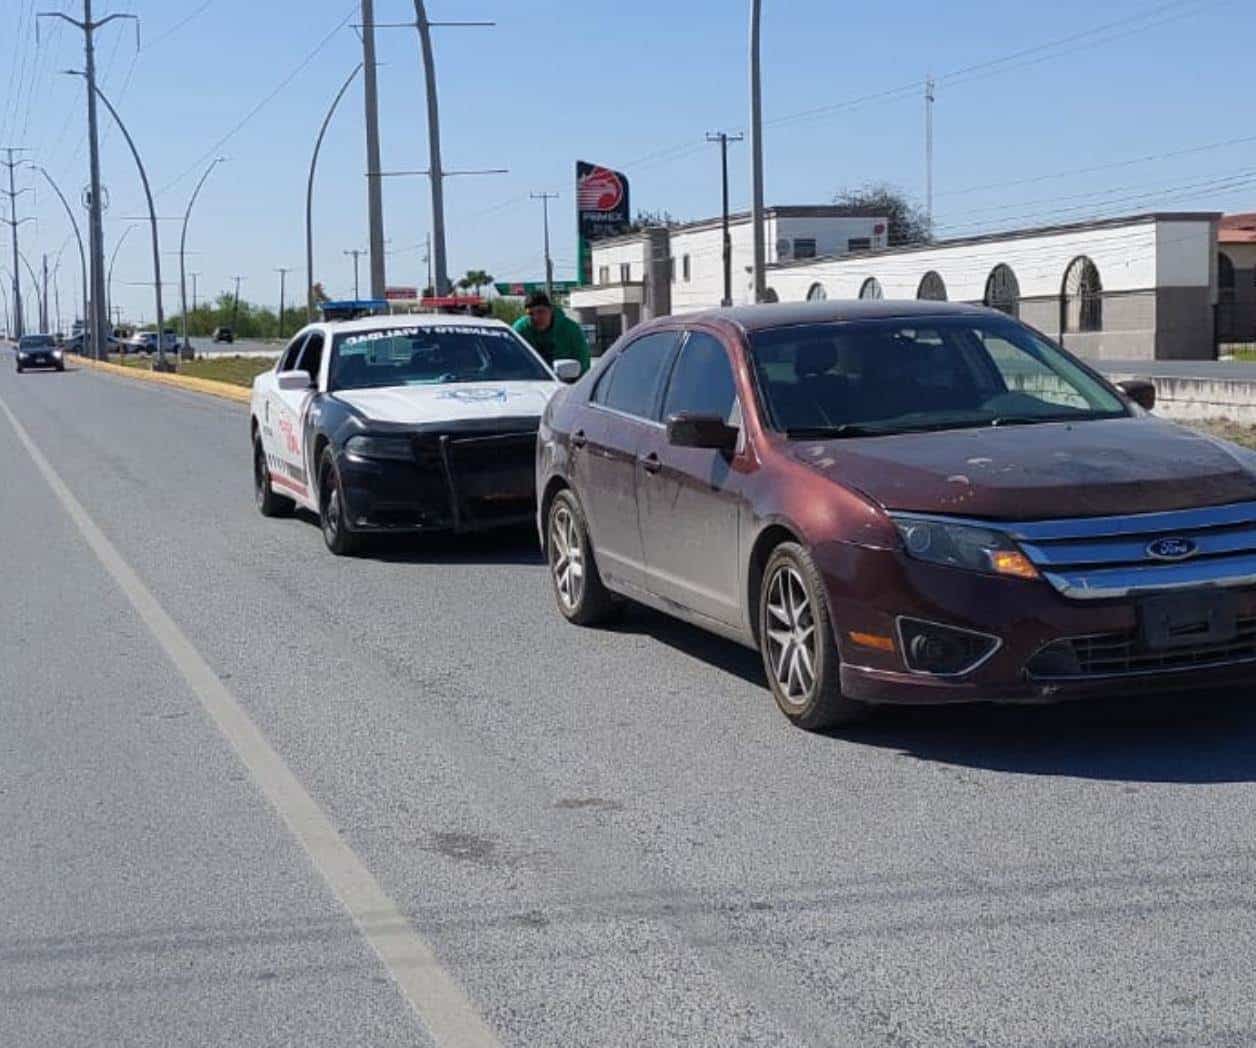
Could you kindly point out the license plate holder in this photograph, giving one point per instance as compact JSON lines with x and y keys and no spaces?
{"x":1191,"y":619}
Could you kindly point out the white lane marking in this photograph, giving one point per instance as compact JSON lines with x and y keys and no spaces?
{"x":440,"y":1003}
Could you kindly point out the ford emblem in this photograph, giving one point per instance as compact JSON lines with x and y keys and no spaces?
{"x":1172,"y":549}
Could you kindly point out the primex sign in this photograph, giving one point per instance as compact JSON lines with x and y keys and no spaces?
{"x":601,"y":209}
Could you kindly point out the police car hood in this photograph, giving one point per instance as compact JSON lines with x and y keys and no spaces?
{"x":451,"y":401}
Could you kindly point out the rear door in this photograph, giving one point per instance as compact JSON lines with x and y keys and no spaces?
{"x":689,"y":499}
{"x":286,"y":415}
{"x":606,"y":439}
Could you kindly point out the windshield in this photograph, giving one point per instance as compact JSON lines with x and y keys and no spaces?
{"x":902,"y":374}
{"x":432,"y":355}
{"x":35,"y":341}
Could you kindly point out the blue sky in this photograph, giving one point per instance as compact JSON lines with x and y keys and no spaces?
{"x":635,"y":86}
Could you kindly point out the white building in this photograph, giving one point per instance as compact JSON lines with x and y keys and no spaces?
{"x":659,"y":271}
{"x":1139,"y":287}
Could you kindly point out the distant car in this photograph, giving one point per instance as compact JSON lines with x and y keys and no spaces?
{"x":224,"y":334}
{"x":39,"y":351}
{"x":402,"y":424}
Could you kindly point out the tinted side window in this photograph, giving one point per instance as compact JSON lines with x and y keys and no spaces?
{"x":603,"y":386}
{"x":702,"y":381}
{"x":312,"y":356}
{"x":638,"y":374}
{"x":288,"y":362}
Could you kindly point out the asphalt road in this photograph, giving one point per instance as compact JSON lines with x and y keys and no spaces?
{"x":604,"y":837}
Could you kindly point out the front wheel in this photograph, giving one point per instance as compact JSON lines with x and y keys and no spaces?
{"x":578,"y":588}
{"x":796,"y":639}
{"x":268,"y":503}
{"x":332,"y":513}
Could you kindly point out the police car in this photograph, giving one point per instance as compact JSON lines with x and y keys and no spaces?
{"x":402,"y":424}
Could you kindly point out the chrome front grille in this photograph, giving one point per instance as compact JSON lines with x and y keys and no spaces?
{"x":1097,"y":558}
{"x":1124,"y":654}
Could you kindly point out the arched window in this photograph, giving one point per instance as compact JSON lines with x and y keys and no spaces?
{"x":1081,"y":299}
{"x":816,"y":293}
{"x":871,"y":289}
{"x":1003,"y":290}
{"x":932,"y":288}
{"x":1225,"y":278}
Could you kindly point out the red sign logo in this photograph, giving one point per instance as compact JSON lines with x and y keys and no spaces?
{"x":599,"y":190}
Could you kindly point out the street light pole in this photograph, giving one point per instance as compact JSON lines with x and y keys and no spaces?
{"x":34,"y":280}
{"x":756,"y":156}
{"x":109,"y":278}
{"x":186,"y":351}
{"x":309,"y":197}
{"x":77,"y":236}
{"x":283,"y":272}
{"x":357,"y":253}
{"x":433,"y":147}
{"x":374,"y":183}
{"x":162,"y":364}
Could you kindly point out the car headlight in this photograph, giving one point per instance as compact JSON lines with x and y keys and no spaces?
{"x":56,"y":353}
{"x":365,"y":446}
{"x":963,"y":546}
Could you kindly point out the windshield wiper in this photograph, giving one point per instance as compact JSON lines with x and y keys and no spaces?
{"x":847,"y":429}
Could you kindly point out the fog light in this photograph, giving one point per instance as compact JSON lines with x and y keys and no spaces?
{"x":944,"y":651}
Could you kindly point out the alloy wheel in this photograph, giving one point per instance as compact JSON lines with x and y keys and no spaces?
{"x":331,"y":514}
{"x":261,"y":480}
{"x":567,"y":557}
{"x":791,"y":635}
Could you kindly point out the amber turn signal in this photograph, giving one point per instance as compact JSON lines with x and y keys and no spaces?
{"x":1013,"y":562}
{"x":872,"y":640}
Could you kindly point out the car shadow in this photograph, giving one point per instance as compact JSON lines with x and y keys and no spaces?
{"x":505,"y":546}
{"x":1198,"y":737}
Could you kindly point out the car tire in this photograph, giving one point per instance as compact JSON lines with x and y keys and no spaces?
{"x":19,"y":369}
{"x":796,"y":639}
{"x":331,"y":509}
{"x":268,"y":503}
{"x":581,"y":595}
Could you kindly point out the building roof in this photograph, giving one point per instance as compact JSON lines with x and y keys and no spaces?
{"x":1013,"y":234}
{"x":1237,"y":229}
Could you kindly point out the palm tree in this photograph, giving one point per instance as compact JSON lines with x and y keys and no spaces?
{"x":475,"y":279}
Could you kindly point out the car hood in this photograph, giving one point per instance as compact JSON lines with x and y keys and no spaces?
{"x":449,"y":402}
{"x":1038,"y":472}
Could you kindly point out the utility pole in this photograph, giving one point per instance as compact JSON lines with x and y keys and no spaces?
{"x":99,"y":321}
{"x":12,"y":222}
{"x":194,"y":276}
{"x":43,"y":301}
{"x":357,"y":253}
{"x":545,"y":198}
{"x":283,"y":272}
{"x":374,"y":182}
{"x":929,"y":87}
{"x":427,"y":257}
{"x":756,"y":156}
{"x":723,"y":139}
{"x":235,"y":309}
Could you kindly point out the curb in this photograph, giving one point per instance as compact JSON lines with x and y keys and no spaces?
{"x":225,"y":390}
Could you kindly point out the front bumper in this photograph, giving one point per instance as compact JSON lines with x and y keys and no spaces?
{"x":40,"y":361}
{"x":459,"y":482}
{"x":869,"y":589}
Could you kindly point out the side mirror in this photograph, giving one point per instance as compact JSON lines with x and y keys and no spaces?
{"x":293,"y":381}
{"x":1140,"y":391}
{"x":567,"y":370}
{"x":689,"y":430}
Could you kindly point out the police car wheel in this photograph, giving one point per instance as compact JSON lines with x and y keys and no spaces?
{"x":268,"y":503}
{"x":331,"y":510}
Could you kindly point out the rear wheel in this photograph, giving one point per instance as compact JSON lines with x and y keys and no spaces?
{"x":582,"y":598}
{"x":270,"y":504}
{"x":796,"y":639}
{"x":332,"y":513}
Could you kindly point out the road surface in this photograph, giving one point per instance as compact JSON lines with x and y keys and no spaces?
{"x":252,"y":794}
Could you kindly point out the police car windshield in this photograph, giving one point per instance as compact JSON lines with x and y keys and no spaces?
{"x":431,"y":355}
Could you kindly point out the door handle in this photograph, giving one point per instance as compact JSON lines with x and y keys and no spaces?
{"x":578,"y":439}
{"x":651,"y":463}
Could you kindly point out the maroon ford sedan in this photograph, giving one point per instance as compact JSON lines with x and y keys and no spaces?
{"x":900,"y":502}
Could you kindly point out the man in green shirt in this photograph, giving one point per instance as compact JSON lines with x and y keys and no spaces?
{"x":551,"y":332}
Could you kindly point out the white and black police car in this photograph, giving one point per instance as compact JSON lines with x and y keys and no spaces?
{"x":402,"y":424}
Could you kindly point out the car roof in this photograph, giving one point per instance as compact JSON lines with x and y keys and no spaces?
{"x":409,"y":320}
{"x":785,"y":314}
